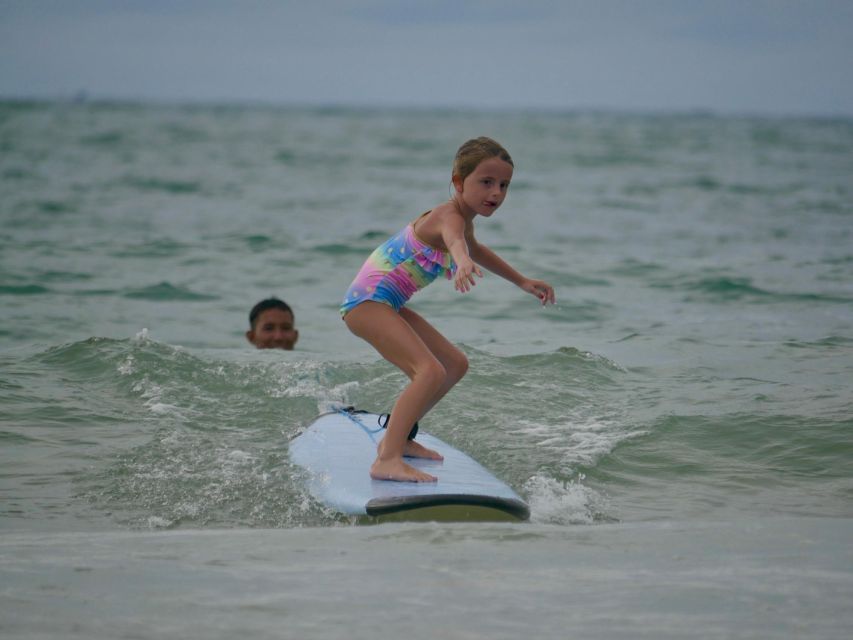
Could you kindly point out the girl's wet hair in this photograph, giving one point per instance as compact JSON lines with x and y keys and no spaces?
{"x":473,"y":152}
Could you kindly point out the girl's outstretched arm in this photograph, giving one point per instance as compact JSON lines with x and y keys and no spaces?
{"x":497,"y":265}
{"x":453,"y":235}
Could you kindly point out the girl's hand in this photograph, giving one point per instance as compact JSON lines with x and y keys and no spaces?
{"x":540,"y":289}
{"x":464,"y":279}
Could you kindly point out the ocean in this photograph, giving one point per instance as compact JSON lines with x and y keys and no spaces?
{"x":680,"y":422}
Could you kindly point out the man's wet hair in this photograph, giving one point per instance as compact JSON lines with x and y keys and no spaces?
{"x":266,"y":305}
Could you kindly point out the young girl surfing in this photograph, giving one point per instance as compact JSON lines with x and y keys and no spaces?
{"x":441,"y":241}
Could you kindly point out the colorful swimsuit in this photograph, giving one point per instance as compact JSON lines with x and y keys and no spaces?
{"x":397,"y":269}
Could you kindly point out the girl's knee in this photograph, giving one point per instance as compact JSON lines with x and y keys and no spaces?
{"x":458,"y":365}
{"x":433,"y":372}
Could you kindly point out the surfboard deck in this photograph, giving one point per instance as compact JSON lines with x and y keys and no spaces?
{"x":337,"y":449}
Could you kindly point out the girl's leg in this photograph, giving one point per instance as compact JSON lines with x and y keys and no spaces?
{"x":455,"y":362}
{"x":400,"y":344}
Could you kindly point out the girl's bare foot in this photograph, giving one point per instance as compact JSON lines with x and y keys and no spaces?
{"x":396,"y":469}
{"x":414,"y":449}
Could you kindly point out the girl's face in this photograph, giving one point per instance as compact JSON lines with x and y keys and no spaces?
{"x":485,"y":189}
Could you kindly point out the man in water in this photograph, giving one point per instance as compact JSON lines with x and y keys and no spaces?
{"x":272,"y":325}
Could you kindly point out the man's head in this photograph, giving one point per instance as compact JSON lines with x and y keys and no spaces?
{"x":272,"y":325}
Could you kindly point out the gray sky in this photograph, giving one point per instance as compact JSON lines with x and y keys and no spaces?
{"x":743,"y":56}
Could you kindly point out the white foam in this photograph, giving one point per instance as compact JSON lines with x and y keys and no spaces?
{"x":240,"y":457}
{"x":579,"y":442}
{"x":301,"y":378}
{"x":161,"y":408}
{"x":156,"y":522}
{"x":555,"y":502}
{"x":126,"y":368}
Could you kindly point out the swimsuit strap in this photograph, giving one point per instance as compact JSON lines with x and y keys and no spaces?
{"x":418,"y":219}
{"x":419,"y":239}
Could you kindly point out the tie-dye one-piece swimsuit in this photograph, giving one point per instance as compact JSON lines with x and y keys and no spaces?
{"x":397,"y":269}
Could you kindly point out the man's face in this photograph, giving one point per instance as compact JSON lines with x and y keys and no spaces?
{"x":274,"y":330}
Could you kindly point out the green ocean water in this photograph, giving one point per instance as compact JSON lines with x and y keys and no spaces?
{"x":680,"y":422}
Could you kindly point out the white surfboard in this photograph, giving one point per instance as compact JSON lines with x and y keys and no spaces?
{"x":337,"y":450}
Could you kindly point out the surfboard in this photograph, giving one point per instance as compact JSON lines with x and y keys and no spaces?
{"x":336,"y":452}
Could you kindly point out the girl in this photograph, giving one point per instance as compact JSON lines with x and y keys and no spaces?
{"x":441,"y":241}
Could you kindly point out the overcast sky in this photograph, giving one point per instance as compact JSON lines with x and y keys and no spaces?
{"x":742,"y":56}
